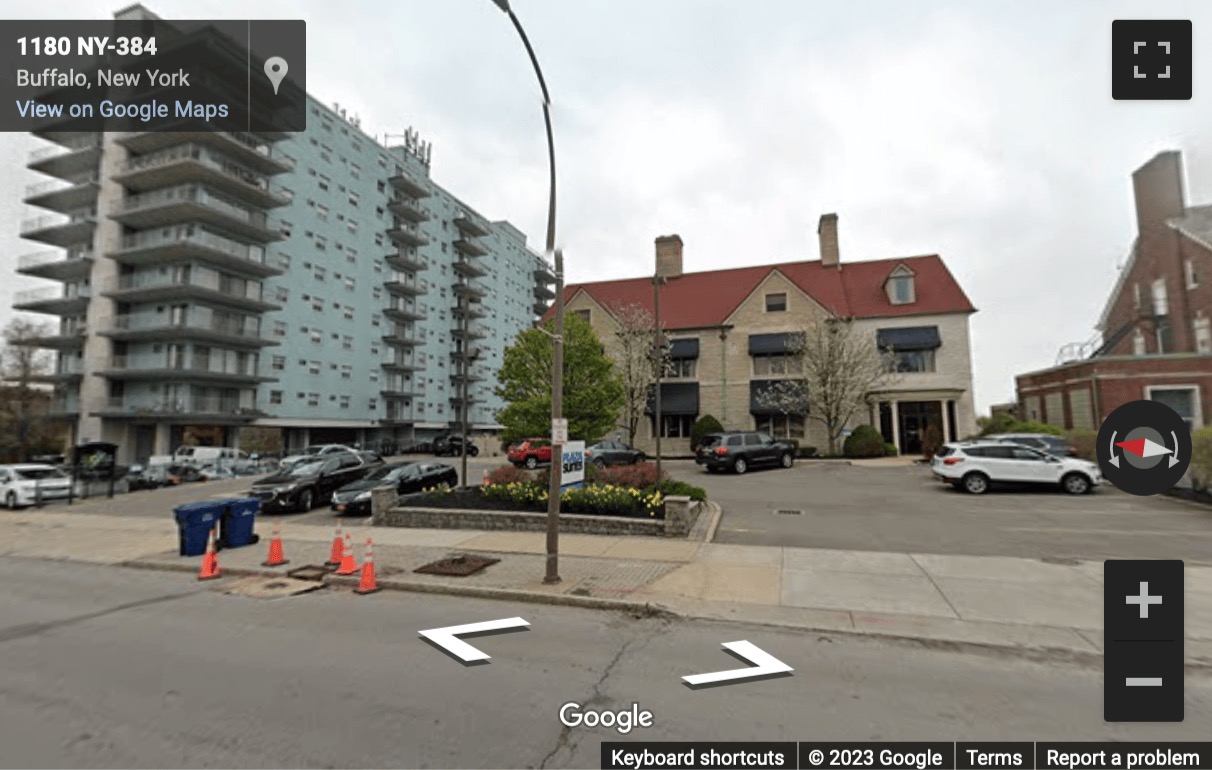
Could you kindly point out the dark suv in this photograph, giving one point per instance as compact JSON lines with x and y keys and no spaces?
{"x":741,"y":450}
{"x":453,"y":447}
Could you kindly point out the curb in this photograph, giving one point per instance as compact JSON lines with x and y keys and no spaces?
{"x":717,"y":513}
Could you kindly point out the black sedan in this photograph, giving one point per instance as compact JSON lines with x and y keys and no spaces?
{"x":302,"y":486}
{"x":407,"y":478}
{"x":612,"y":453}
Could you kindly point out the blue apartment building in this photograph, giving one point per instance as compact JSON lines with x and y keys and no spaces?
{"x":322,"y":284}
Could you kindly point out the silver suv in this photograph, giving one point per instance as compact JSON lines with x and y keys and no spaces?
{"x":975,"y":466}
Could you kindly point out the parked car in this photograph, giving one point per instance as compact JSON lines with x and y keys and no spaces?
{"x":741,"y":450}
{"x":452,"y":446}
{"x":138,"y":477}
{"x":976,"y":466}
{"x":530,"y":453}
{"x":371,"y":459}
{"x":214,"y":456}
{"x":406,"y":478}
{"x":1045,"y":442}
{"x":27,"y":483}
{"x":606,"y":453}
{"x":313,"y":452}
{"x":303,"y":485}
{"x":185,"y":474}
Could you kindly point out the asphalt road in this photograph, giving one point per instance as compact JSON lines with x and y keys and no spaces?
{"x":107,"y":667}
{"x":902,"y":509}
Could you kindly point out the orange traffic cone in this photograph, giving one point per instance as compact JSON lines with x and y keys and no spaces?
{"x":348,"y":565}
{"x":368,"y":585}
{"x":276,"y":555}
{"x":336,"y":557}
{"x":210,"y":561}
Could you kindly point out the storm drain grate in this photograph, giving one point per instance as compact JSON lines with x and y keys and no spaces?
{"x":789,"y":511}
{"x":310,"y":572}
{"x":457,"y":566}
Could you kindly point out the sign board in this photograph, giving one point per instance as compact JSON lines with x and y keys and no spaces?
{"x":846,"y":432}
{"x":559,"y":431}
{"x":572,"y":470}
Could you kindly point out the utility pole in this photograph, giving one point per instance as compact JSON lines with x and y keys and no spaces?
{"x":658,"y":363}
{"x":465,"y":306}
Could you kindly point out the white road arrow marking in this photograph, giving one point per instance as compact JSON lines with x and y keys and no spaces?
{"x":764,"y":665}
{"x":447,"y":638}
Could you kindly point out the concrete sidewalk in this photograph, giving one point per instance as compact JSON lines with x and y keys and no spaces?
{"x":994,"y":602}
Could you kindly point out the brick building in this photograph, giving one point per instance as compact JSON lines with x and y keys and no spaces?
{"x":1156,"y":328}
{"x":729,"y":329}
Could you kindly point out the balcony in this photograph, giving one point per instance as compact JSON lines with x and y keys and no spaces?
{"x":64,"y":196}
{"x":469,"y":269}
{"x":195,"y":326}
{"x":207,"y":287}
{"x":409,"y":186}
{"x":470,"y":227}
{"x":540,"y":308}
{"x":401,"y":392}
{"x":408,"y":210}
{"x":470,"y":248}
{"x":404,"y":313}
{"x":63,"y":408}
{"x":545,"y":275}
{"x":193,"y":162}
{"x":158,"y":368}
{"x":543,"y":292}
{"x":405,"y":365}
{"x":403,"y":339}
{"x":57,"y":230}
{"x":472,"y":309}
{"x":193,"y":203}
{"x":189,"y":243}
{"x":408,"y":235}
{"x":247,"y":149}
{"x":474,"y":332}
{"x":77,"y":156}
{"x":467,"y":290}
{"x":457,"y":377}
{"x":70,"y":299}
{"x":185,"y":409}
{"x":407,"y":260}
{"x":70,"y":338}
{"x":75,"y":265}
{"x":67,"y":369}
{"x":406,"y":288}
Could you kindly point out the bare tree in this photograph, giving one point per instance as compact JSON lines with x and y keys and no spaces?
{"x":637,"y":360}
{"x":831,"y":368}
{"x":23,"y":406}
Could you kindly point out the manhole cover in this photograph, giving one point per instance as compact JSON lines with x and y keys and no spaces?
{"x":457,"y":566}
{"x":310,"y":572}
{"x":270,"y":588}
{"x":1064,"y":561}
{"x":789,"y":511}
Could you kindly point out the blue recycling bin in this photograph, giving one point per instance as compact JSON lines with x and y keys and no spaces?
{"x":194,"y":523}
{"x":237,"y":516}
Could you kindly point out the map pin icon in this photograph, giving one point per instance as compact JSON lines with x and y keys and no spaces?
{"x":275,"y":70}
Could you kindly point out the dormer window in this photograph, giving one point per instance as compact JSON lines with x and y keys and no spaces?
{"x":899,"y":286}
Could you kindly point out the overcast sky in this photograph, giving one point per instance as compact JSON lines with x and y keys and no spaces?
{"x":981,"y":131}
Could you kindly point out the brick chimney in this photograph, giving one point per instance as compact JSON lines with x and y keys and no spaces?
{"x":827,"y":232}
{"x":669,"y":256}
{"x":1158,"y":189}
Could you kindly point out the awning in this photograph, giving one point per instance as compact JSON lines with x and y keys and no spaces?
{"x":908,"y":338}
{"x":683,"y":349}
{"x":760,"y":398}
{"x":676,"y":398}
{"x":766,"y":344}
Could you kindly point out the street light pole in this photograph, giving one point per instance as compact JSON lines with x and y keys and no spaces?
{"x":557,"y":359}
{"x":658,"y":362}
{"x":465,"y":307}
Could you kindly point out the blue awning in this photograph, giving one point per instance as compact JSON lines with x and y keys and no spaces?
{"x":683,"y":349}
{"x":676,"y":398}
{"x":767,"y":344}
{"x":908,"y":338}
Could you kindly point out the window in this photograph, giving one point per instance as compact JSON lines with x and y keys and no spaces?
{"x":681,"y":367}
{"x":900,"y":286}
{"x":313,"y":367}
{"x":584,"y":314}
{"x":1161,"y":305}
{"x":275,"y":397}
{"x":279,"y":328}
{"x":1138,"y":295}
{"x":278,"y":363}
{"x":676,"y":425}
{"x":776,"y":303}
{"x":776,"y":363}
{"x":354,"y":198}
{"x":1192,"y":278}
{"x":373,"y":403}
{"x":1203,"y":335}
{"x":317,"y":304}
{"x":1183,"y":399}
{"x":281,"y":293}
{"x":313,"y":399}
{"x":344,"y":402}
{"x":347,"y":342}
{"x":322,"y":213}
{"x":905,"y":361}
{"x":349,"y":311}
{"x":781,"y":427}
{"x":1138,"y":343}
{"x":346,"y":371}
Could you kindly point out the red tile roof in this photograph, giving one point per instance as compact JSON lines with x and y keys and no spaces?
{"x":695,"y":300}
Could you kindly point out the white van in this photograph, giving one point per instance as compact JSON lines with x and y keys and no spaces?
{"x":215,"y":456}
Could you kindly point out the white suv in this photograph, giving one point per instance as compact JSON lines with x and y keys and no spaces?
{"x":976,"y":465}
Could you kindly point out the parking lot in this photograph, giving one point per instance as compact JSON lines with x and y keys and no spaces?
{"x":903,"y":509}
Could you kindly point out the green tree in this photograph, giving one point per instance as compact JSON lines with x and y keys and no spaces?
{"x":593,"y":391}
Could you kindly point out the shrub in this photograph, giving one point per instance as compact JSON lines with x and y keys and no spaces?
{"x":890,"y":449}
{"x":1201,"y":459}
{"x":806,"y":451}
{"x":611,"y":500}
{"x":865,"y":441}
{"x":1083,"y":441}
{"x":702,"y":426}
{"x":1004,"y":423}
{"x":638,"y":476}
{"x":676,"y":487}
{"x":932,"y":439}
{"x":519,"y":492}
{"x":506,"y":474}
